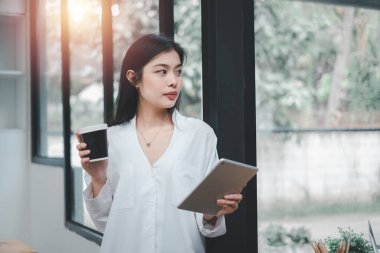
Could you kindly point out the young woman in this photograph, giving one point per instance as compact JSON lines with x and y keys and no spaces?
{"x":156,"y":157}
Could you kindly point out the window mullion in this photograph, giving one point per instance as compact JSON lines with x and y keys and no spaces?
{"x":107,"y":48}
{"x":66,"y":108}
{"x":166,"y":17}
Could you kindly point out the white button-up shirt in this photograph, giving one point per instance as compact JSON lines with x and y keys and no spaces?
{"x":137,"y":207}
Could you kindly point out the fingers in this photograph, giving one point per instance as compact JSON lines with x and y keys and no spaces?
{"x":84,"y":153}
{"x":227,"y":206}
{"x":85,"y":160}
{"x":234,"y":197}
{"x":78,"y":136}
{"x":229,"y":203}
{"x":81,"y":146}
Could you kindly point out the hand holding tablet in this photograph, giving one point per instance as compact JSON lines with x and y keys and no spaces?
{"x":227,"y":177}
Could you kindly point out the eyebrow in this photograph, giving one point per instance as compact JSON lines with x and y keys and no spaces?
{"x":166,"y":66}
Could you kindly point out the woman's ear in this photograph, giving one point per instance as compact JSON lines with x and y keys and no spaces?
{"x":131,"y":77}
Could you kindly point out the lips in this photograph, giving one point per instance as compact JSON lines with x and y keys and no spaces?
{"x":171,"y":95}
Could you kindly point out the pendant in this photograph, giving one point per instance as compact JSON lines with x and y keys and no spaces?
{"x":148,"y":144}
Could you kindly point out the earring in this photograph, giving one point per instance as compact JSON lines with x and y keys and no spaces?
{"x":131,"y":81}
{"x":134,"y":84}
{"x":131,"y":77}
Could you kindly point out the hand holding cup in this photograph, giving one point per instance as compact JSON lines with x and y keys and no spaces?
{"x":93,"y":153}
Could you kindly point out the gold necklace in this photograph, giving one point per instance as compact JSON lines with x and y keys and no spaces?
{"x":148,"y":143}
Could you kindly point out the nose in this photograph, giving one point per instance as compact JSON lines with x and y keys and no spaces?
{"x":173,"y":80}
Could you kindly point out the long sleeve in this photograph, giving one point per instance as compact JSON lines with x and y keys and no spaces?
{"x":211,"y":231}
{"x":99,"y":207}
{"x":220,"y":225}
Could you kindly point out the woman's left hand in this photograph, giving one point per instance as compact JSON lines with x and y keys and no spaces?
{"x":228,"y":204}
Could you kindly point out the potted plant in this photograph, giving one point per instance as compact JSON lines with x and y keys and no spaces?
{"x":358,"y":244}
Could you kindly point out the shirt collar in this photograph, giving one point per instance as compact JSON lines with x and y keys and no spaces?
{"x":175,"y":117}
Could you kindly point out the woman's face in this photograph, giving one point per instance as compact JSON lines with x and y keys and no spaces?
{"x":161,"y":81}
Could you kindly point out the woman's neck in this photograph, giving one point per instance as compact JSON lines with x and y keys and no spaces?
{"x":151,"y":117}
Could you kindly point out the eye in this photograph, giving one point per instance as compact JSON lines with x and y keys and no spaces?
{"x":162,"y":71}
{"x":179,"y":72}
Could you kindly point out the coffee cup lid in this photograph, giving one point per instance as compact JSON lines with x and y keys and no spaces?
{"x":92,"y":128}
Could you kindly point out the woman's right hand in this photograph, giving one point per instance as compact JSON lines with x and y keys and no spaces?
{"x":97,"y":170}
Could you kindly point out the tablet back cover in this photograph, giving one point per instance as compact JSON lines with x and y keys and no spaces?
{"x":227,"y":177}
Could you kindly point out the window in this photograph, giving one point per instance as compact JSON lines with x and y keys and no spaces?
{"x":318,"y":113}
{"x":188,"y":32}
{"x":86,"y":87}
{"x":94,"y":36}
{"x":90,"y":74}
{"x":46,"y":80}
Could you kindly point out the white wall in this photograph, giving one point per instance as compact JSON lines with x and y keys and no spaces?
{"x":32,"y":198}
{"x":14,"y":184}
{"x":319,"y":166}
{"x":32,"y":202}
{"x":48,"y":232}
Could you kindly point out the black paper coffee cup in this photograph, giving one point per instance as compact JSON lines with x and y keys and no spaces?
{"x":96,"y":139}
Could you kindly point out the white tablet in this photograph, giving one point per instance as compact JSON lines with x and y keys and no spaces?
{"x":227,"y":177}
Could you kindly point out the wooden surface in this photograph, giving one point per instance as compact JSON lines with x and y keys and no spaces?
{"x":15,"y":247}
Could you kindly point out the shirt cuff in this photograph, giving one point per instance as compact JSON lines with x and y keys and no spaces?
{"x":100,"y":200}
{"x":216,"y":226}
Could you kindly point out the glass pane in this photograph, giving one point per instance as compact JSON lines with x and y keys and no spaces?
{"x":49,"y":62}
{"x":188,"y":32}
{"x":86,"y":98}
{"x":131,"y":20}
{"x":318,"y":122}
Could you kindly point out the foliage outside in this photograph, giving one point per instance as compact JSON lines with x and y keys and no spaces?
{"x":278,"y":239}
{"x":357,"y":242}
{"x":317,"y":66}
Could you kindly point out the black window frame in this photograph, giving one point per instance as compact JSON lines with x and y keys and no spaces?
{"x":229,"y":106}
{"x":35,"y":94}
{"x":228,"y":100}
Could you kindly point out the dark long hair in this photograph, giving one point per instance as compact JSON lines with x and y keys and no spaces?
{"x":138,"y":55}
